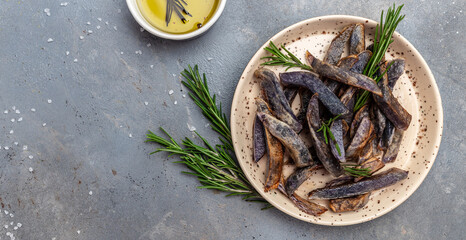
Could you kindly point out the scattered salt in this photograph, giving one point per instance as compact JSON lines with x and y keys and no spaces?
{"x":79,"y":232}
{"x":89,"y":31}
{"x":64,"y":4}
{"x":14,"y":107}
{"x":152,"y":66}
{"x":130,"y":135}
{"x":115,"y":27}
{"x":6,"y":212}
{"x":75,"y":60}
{"x":19,"y":225}
{"x":209,"y":59}
{"x":170,"y":92}
{"x":20,"y":119}
{"x":49,"y":100}
{"x":33,"y":109}
{"x":81,"y":37}
{"x":191,"y":127}
{"x":106,"y":23}
{"x":146,"y":103}
{"x":50,"y":40}
{"x":98,"y":27}
{"x":30,"y":169}
{"x":25,"y":147}
{"x":6,"y":226}
{"x":67,"y":53}
{"x":31,"y":157}
{"x":11,"y":131}
{"x":12,"y":120}
{"x":47,"y":11}
{"x":16,"y":143}
{"x":6,"y":148}
{"x":11,"y":223}
{"x":176,"y":102}
{"x":207,"y":125}
{"x":44,"y":124}
{"x":138,"y":52}
{"x":88,"y":23}
{"x":17,"y":111}
{"x":6,"y":111}
{"x":184,"y":95}
{"x":148,"y":45}
{"x":100,"y":19}
{"x":12,"y":215}
{"x":90,"y":193}
{"x":15,"y":228}
{"x":121,"y":53}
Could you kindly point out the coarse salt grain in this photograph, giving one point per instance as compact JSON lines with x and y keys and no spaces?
{"x":88,"y":23}
{"x":67,"y":53}
{"x":6,"y":226}
{"x":25,"y":147}
{"x":33,"y":109}
{"x":31,"y":157}
{"x":16,"y":143}
{"x":64,"y":4}
{"x":20,"y":119}
{"x":146,"y":103}
{"x":81,"y":37}
{"x":100,"y":19}
{"x":44,"y":124}
{"x":75,"y":60}
{"x":50,"y":40}
{"x":12,"y":120}
{"x":148,"y":45}
{"x":89,"y":31}
{"x":17,"y":111}
{"x":106,"y":23}
{"x":90,"y":193}
{"x":19,"y":225}
{"x":31,"y":169}
{"x":11,"y":223}
{"x":47,"y":11}
{"x":6,"y":212}
{"x":170,"y":92}
{"x":49,"y":100}
{"x":115,"y":27}
{"x":121,"y":53}
{"x":79,"y":232}
{"x":6,"y":148}
{"x":152,"y":66}
{"x":6,"y":111}
{"x":14,"y":107}
{"x":184,"y":95}
{"x":15,"y":228}
{"x":98,"y":27}
{"x":130,"y":135}
{"x":11,"y":131}
{"x":12,"y":215}
{"x":176,"y":102}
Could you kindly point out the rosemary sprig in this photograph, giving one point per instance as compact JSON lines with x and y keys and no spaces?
{"x":356,"y":171}
{"x":200,"y":94}
{"x":177,"y":7}
{"x":325,"y":128}
{"x":382,"y":39}
{"x":278,"y":58}
{"x":214,"y":167}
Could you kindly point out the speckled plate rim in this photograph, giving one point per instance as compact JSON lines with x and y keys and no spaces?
{"x":436,"y":141}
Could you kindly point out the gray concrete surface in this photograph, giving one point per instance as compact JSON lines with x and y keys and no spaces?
{"x":98,"y":101}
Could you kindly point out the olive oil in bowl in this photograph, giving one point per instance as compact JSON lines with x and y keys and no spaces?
{"x":200,"y":12}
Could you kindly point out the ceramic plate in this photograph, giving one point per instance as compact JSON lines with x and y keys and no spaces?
{"x":416,"y":91}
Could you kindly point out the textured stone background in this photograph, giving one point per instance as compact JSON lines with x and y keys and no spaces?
{"x":99,"y":100}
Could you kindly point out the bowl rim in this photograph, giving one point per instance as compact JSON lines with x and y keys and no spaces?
{"x":438,"y":130}
{"x":134,"y":9}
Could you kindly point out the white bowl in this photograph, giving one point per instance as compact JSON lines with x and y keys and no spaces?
{"x":134,"y":9}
